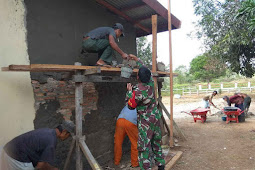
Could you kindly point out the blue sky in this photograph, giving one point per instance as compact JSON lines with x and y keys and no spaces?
{"x":184,"y":49}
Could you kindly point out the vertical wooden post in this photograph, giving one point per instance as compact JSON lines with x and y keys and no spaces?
{"x":154,"y":21}
{"x":163,"y":132}
{"x":78,"y":119}
{"x":171,"y":75}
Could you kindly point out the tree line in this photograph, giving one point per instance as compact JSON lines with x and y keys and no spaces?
{"x":227,"y":28}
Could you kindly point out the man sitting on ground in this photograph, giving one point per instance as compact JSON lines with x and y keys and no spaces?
{"x":34,"y":149}
{"x":102,"y":41}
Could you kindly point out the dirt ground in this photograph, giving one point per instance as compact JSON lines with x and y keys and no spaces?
{"x":211,"y":145}
{"x":214,"y":144}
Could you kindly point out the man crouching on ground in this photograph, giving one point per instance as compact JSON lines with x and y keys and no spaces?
{"x":34,"y":149}
{"x":148,"y":116}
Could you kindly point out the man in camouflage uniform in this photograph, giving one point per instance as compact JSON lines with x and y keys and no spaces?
{"x":149,"y":137}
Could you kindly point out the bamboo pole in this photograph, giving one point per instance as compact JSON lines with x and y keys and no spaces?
{"x":171,"y":76}
{"x":78,"y":119}
{"x":154,"y":21}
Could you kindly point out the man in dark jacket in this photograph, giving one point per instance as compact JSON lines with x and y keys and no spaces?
{"x":34,"y":149}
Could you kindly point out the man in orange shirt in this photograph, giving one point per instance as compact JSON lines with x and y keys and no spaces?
{"x":126,"y":125}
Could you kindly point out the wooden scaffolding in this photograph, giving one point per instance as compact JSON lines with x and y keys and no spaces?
{"x":103,"y":74}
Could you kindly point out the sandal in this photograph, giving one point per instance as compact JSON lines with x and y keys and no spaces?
{"x":104,"y":65}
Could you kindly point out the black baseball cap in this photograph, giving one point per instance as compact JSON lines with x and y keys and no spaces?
{"x":119,"y":26}
{"x":144,"y":74}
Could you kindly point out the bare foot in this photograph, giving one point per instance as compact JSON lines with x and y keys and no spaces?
{"x":100,"y":62}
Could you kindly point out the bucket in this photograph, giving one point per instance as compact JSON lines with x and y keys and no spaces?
{"x":126,"y":72}
{"x":224,"y":118}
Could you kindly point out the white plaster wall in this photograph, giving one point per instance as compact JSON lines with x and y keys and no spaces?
{"x":16,"y":94}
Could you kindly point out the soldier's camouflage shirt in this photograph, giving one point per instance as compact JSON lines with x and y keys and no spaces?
{"x":145,"y":98}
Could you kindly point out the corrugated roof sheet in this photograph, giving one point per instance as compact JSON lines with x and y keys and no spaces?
{"x":139,"y":12}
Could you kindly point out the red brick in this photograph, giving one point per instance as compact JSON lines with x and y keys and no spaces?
{"x":36,"y":90}
{"x":50,"y":98}
{"x":66,"y":96}
{"x":68,"y":107}
{"x":62,"y":82}
{"x":34,"y":82}
{"x":39,"y":99}
{"x":39,"y":94}
{"x":51,"y":94}
{"x":63,"y":100}
{"x":45,"y":90}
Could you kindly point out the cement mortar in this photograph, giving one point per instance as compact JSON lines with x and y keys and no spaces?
{"x":98,"y":127}
{"x":55,"y":30}
{"x":54,"y":36}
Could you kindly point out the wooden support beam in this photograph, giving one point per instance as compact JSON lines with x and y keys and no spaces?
{"x":20,"y":67}
{"x":167,"y":127}
{"x":181,"y":135}
{"x":154,"y":21}
{"x":69,"y":154}
{"x":5,"y":69}
{"x":162,"y":128}
{"x":92,"y":162}
{"x":171,"y":143}
{"x":118,"y":12}
{"x":78,"y":119}
{"x":173,"y":161}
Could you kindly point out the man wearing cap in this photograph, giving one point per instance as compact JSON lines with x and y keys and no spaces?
{"x":148,"y":116}
{"x":102,"y":41}
{"x":34,"y":149}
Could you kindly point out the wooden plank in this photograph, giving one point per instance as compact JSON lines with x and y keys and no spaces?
{"x":68,"y":68}
{"x":5,"y":69}
{"x":154,"y":21}
{"x":174,"y":124}
{"x":171,"y":143}
{"x":173,"y":161}
{"x":92,"y":161}
{"x":162,"y":128}
{"x":78,"y":119}
{"x":69,"y":154}
{"x":20,"y":67}
{"x":167,"y":127}
{"x":163,"y":132}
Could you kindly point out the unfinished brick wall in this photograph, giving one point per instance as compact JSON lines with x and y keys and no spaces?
{"x":63,"y":91}
{"x":55,"y":101}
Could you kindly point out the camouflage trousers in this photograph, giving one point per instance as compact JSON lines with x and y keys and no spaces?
{"x":149,"y":144}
